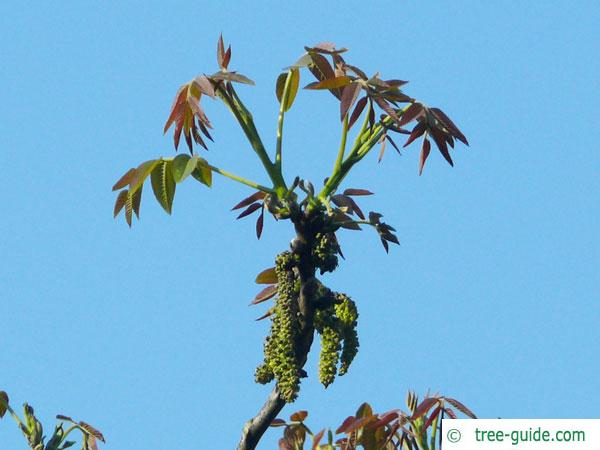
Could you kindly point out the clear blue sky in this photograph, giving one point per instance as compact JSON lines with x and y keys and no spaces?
{"x":492,"y":297}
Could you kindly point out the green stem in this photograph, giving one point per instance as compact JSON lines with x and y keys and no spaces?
{"x":16,"y":417}
{"x":234,"y":177}
{"x":244,"y":118}
{"x":282,"y":106}
{"x":340,"y":156}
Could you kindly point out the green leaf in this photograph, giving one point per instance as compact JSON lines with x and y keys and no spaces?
{"x":3,"y":403}
{"x":292,"y":89}
{"x":183,"y":166}
{"x":202,"y":172}
{"x":163,"y":184}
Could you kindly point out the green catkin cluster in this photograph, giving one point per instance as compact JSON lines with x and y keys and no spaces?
{"x":339,"y":340}
{"x":280,"y":356}
{"x":345,"y":310}
{"x":325,"y":252}
{"x":329,"y":328}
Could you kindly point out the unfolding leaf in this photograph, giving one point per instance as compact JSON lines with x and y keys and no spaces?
{"x":440,"y":141}
{"x":232,"y":76}
{"x":141,"y":173}
{"x":92,"y":431}
{"x":317,"y":438}
{"x":121,"y":199}
{"x":450,"y":413}
{"x":462,"y":408}
{"x":411,"y":113}
{"x":330,"y":83}
{"x":424,"y":406}
{"x":425,"y":149}
{"x":357,"y":192}
{"x":360,"y":106}
{"x":3,"y":403}
{"x":294,"y":75}
{"x":267,"y":314}
{"x":220,"y":51}
{"x":129,"y":208}
{"x":299,"y":416}
{"x":251,"y":199}
{"x":442,"y":117}
{"x":349,"y":96}
{"x":204,"y":85}
{"x":432,"y":417}
{"x":260,"y":223}
{"x":177,"y":108}
{"x":264,"y":295}
{"x":417,"y":131}
{"x":278,"y":423}
{"x":124,"y":180}
{"x":249,"y":210}
{"x":203,"y":172}
{"x":163,"y":185}
{"x":345,"y":424}
{"x":267,"y":276}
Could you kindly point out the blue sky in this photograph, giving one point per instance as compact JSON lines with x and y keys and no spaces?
{"x":491,"y":298}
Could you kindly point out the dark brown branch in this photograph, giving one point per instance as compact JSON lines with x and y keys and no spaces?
{"x":256,"y":427}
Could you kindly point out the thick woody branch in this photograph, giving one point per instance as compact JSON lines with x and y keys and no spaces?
{"x":257,"y":426}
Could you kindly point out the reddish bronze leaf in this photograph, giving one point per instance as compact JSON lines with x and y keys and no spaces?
{"x":278,"y":423}
{"x":440,"y":141}
{"x":121,"y":199}
{"x":357,"y":192}
{"x":125,"y":179}
{"x":393,"y":143}
{"x":92,"y":431}
{"x":359,"y":423}
{"x":412,"y":112}
{"x":360,"y":106}
{"x":299,"y":416}
{"x":442,"y":117}
{"x":260,"y":223}
{"x":432,"y":417}
{"x":450,"y":413}
{"x":417,"y":131}
{"x":249,"y":210}
{"x":317,"y":439}
{"x":424,"y":406}
{"x":220,"y":51}
{"x":267,"y":314}
{"x":425,"y":149}
{"x":349,"y":96}
{"x":251,"y":199}
{"x":345,"y":424}
{"x":264,"y":295}
{"x":462,"y":408}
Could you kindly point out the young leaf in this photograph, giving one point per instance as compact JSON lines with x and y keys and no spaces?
{"x":292,"y":90}
{"x":425,"y":149}
{"x":183,"y":165}
{"x":357,"y":192}
{"x":317,"y":438}
{"x":141,"y":173}
{"x":330,"y":83}
{"x":432,"y":417}
{"x":360,"y":106}
{"x":129,"y":208}
{"x":163,"y":185}
{"x":136,"y":201}
{"x":440,"y":141}
{"x":417,"y":131}
{"x":442,"y":117}
{"x":124,"y":180}
{"x":424,"y":406}
{"x":267,"y":276}
{"x":266,"y":294}
{"x":462,"y":408}
{"x":260,"y":223}
{"x":92,"y":431}
{"x":121,"y":199}
{"x":202,"y":172}
{"x":349,"y":96}
{"x":3,"y":403}
{"x":411,"y":113}
{"x":249,"y":210}
{"x":251,"y":199}
{"x":299,"y":416}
